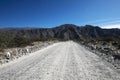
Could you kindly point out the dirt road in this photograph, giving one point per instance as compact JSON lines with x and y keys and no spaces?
{"x":60,"y":61}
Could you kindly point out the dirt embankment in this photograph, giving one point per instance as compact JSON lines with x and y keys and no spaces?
{"x":14,"y":53}
{"x":109,"y":51}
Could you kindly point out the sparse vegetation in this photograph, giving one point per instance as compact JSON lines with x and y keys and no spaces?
{"x":8,"y":40}
{"x":106,"y":48}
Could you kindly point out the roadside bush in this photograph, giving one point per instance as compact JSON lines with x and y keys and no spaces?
{"x":21,"y":41}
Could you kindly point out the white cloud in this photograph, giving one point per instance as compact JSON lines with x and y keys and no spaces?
{"x":111,"y":26}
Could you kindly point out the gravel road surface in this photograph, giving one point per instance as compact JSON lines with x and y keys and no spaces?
{"x":60,"y":61}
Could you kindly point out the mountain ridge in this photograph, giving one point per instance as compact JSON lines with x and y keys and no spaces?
{"x":65,"y":32}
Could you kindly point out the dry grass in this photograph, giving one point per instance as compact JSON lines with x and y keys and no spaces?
{"x":1,"y":55}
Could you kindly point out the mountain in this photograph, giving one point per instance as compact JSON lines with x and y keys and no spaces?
{"x":64,"y":32}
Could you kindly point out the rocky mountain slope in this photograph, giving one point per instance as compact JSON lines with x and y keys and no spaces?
{"x":66,"y":32}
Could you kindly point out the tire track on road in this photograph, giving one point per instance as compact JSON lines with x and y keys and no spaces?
{"x":17,"y":70}
{"x":56,"y":71}
{"x":94,"y":68}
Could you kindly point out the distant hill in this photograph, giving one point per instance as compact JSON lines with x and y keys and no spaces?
{"x":64,"y":32}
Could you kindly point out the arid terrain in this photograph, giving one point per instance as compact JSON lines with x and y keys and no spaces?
{"x":60,"y":61}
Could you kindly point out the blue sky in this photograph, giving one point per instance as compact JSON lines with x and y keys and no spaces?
{"x":51,"y":13}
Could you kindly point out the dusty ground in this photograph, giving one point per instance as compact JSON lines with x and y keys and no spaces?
{"x":60,"y":61}
{"x":15,"y":53}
